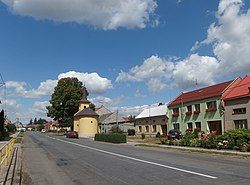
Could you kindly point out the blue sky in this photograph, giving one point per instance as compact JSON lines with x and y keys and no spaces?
{"x":129,"y":53}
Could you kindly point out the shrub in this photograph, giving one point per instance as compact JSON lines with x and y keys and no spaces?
{"x":143,"y":136}
{"x":116,"y":129}
{"x":111,"y":138}
{"x":131,"y":132}
{"x":185,"y":141}
{"x":11,"y":128}
{"x":158,"y":135}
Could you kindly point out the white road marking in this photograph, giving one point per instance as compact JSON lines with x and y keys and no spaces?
{"x":136,"y":159}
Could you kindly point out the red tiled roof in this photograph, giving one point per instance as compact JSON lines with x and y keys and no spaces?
{"x":240,"y":89}
{"x":201,"y":94}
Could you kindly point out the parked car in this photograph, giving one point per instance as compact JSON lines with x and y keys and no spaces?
{"x":43,"y":130}
{"x":175,"y":134}
{"x":72,"y":134}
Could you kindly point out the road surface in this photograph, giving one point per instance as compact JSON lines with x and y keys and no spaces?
{"x":61,"y":161}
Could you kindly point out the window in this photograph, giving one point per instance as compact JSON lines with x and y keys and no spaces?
{"x":190,"y":125}
{"x":197,"y":109}
{"x":175,"y":112}
{"x":240,"y":124}
{"x":91,"y":121}
{"x":189,"y":110}
{"x":198,"y":125}
{"x":85,"y":107}
{"x":211,"y":106}
{"x":153,"y":121}
{"x":154,"y":128}
{"x":163,"y":120}
{"x":176,"y":126}
{"x":239,"y":111}
{"x":147,"y":128}
{"x":140,"y":129}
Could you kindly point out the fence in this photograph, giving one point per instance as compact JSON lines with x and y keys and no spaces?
{"x":5,"y":152}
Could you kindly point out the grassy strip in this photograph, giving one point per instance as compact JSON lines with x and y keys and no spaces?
{"x":242,"y":154}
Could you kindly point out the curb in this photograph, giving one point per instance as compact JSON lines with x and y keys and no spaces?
{"x":201,"y":150}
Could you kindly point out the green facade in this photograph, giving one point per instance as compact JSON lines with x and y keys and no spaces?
{"x":203,"y":117}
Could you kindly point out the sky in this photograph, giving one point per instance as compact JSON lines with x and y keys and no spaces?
{"x":130,"y":54}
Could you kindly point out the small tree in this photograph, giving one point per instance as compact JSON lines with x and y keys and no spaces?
{"x":35,"y":121}
{"x":92,"y":106}
{"x":11,"y":128}
{"x":64,"y":100}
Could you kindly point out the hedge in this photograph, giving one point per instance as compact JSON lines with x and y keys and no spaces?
{"x":111,"y":138}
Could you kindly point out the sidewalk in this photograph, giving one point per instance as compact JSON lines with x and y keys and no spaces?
{"x":193,"y":149}
{"x":11,"y":173}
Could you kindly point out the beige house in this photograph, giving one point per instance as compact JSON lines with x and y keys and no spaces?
{"x":152,"y":120}
{"x":237,"y":105}
{"x":86,"y":120}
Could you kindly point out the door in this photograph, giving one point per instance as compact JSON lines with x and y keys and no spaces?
{"x":164,"y":129}
{"x":215,"y":127}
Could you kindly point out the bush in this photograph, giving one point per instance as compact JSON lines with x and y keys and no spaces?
{"x":237,"y":139}
{"x":11,"y":128}
{"x":185,"y":141}
{"x":111,"y":138}
{"x":158,"y":135}
{"x":131,"y":132}
{"x":116,"y":130}
{"x":143,"y":136}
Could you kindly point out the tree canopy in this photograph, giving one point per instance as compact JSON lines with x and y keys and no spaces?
{"x":65,"y":100}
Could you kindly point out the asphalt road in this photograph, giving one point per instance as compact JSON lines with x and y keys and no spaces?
{"x":58,"y":160}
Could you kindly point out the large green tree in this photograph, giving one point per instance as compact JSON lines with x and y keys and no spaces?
{"x":64,"y":101}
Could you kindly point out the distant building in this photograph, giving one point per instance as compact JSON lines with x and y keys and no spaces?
{"x":152,"y":120}
{"x":108,"y":119}
{"x":201,"y":109}
{"x":52,"y":126}
{"x":19,"y":125}
{"x":237,"y":104}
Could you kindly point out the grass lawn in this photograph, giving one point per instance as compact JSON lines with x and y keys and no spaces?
{"x":148,"y":139}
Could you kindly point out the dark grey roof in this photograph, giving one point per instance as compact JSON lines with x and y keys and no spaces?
{"x":103,"y":117}
{"x":86,"y":112}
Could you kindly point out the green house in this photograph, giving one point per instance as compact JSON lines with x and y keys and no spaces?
{"x":199,"y":109}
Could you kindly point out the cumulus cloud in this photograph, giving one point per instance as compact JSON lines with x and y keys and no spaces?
{"x":105,"y":14}
{"x":195,"y":70}
{"x":229,"y":37}
{"x":153,"y":71}
{"x":39,"y":107}
{"x":159,"y":73}
{"x":92,"y":81}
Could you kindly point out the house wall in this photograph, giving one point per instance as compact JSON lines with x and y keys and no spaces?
{"x":230,"y":117}
{"x":88,"y":127}
{"x":150,"y":121}
{"x":76,"y":124}
{"x":105,"y":128}
{"x":202,"y":117}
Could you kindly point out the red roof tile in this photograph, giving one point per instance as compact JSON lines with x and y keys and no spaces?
{"x":200,"y":94}
{"x":240,"y":89}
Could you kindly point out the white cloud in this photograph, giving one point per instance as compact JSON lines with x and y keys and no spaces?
{"x":93,"y":82}
{"x":195,"y":69}
{"x":154,"y":71}
{"x":230,"y":39}
{"x":159,"y":73}
{"x":105,"y":14}
{"x":39,"y":108}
